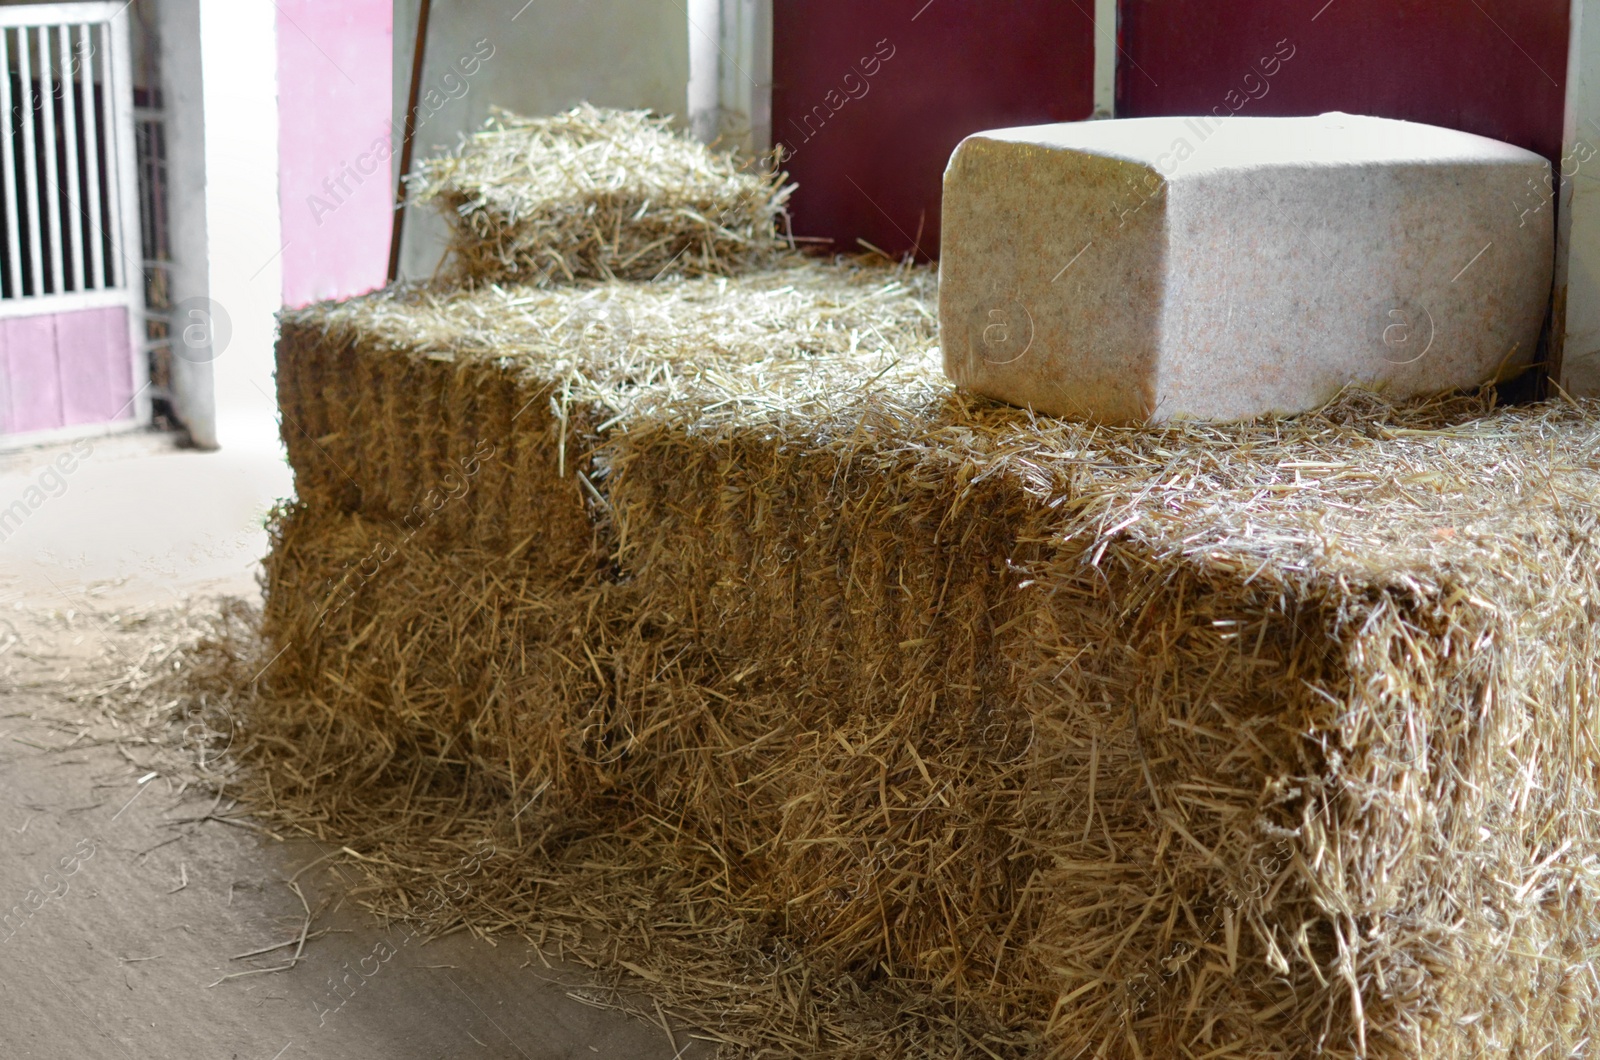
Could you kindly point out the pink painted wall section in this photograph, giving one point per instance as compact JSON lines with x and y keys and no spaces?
{"x":29,"y":347}
{"x":335,"y":77}
{"x":65,"y":369}
{"x":95,"y":369}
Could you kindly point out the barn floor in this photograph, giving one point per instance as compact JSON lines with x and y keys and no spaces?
{"x":122,"y":957}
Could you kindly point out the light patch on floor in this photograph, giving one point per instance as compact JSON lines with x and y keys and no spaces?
{"x":133,"y":521}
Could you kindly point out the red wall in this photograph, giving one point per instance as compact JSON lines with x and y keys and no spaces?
{"x":871,"y":166}
{"x":1492,"y":67}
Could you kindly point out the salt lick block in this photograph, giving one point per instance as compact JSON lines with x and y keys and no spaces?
{"x":1137,"y":270}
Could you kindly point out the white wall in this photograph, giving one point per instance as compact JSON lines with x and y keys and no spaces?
{"x":239,"y":61}
{"x":548,"y":56}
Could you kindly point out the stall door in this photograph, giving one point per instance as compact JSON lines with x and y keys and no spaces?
{"x":1492,"y":67}
{"x":71,"y":277}
{"x":868,"y":101}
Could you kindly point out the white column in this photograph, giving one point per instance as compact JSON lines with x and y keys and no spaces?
{"x":240,"y":60}
{"x":182,"y":93}
{"x":730,"y":73}
{"x":746,"y":75}
{"x":1576,"y":318}
{"x":705,"y":31}
{"x":1105,"y":58}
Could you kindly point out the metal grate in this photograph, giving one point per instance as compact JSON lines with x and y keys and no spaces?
{"x":59,"y":172}
{"x":155,"y":246}
{"x":72,"y":288}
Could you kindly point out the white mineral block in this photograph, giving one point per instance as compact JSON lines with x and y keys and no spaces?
{"x":1137,"y":270}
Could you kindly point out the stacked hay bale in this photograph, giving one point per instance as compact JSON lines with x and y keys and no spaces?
{"x":600,"y":194}
{"x":1273,"y":739}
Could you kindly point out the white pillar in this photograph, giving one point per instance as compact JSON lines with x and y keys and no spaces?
{"x":1576,"y":318}
{"x":240,"y":58}
{"x":704,"y":27}
{"x":1105,"y":58}
{"x":178,"y":39}
{"x":730,"y":73}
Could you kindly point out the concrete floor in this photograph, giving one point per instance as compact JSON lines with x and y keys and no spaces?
{"x":131,"y":521}
{"x":124,"y":910}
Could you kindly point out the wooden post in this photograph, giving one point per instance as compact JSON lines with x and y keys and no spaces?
{"x":418,"y":53}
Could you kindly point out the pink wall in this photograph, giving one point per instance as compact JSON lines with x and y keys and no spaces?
{"x":65,"y":369}
{"x":335,"y":76}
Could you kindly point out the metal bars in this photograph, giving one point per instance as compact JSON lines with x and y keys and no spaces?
{"x":66,"y":175}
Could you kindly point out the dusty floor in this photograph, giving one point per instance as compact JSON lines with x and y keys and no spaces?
{"x":124,"y":901}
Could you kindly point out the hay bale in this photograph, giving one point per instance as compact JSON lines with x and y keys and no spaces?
{"x":600,"y":194}
{"x":1262,"y":739}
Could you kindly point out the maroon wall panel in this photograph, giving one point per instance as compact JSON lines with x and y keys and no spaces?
{"x":869,"y":100}
{"x":1492,"y":67}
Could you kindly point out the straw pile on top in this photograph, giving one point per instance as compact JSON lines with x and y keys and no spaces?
{"x":600,"y":194}
{"x":892,"y":722}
